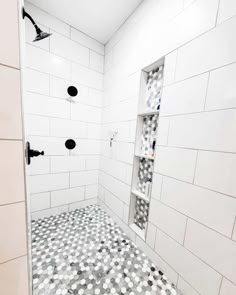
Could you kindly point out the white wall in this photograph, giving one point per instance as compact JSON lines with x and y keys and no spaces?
{"x":192,"y":232}
{"x":62,"y":180}
{"x":13,"y":229}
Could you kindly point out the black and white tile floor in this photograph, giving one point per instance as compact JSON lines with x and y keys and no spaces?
{"x":86,"y":252}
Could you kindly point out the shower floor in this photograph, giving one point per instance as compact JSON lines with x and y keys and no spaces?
{"x":86,"y":252}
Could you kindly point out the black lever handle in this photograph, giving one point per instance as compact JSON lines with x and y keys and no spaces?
{"x":29,"y":153}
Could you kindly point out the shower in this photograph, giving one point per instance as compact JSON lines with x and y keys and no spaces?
{"x":40,"y":35}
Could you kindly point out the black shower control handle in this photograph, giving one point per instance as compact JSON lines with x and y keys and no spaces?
{"x":29,"y":153}
{"x":34,"y":153}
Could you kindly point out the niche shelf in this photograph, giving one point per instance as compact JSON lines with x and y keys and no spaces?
{"x":145,"y":144}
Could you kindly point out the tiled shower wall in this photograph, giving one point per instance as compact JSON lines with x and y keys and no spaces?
{"x":192,"y":232}
{"x":62,"y":180}
{"x":13,"y":244}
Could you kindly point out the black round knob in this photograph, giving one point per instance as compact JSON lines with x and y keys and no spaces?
{"x":70,"y":144}
{"x":72,"y":90}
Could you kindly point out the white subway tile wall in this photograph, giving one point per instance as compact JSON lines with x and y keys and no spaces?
{"x":68,"y":57}
{"x":191,"y":234}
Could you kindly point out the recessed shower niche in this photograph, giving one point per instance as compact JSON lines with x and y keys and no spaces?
{"x":145,"y":145}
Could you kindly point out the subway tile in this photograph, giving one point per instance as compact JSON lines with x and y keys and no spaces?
{"x":95,"y":97}
{"x":169,"y":69}
{"x":9,"y":49}
{"x":185,"y":288}
{"x":227,"y":288}
{"x":37,"y":104}
{"x":36,"y":125}
{"x":176,"y":162}
{"x":40,"y":165}
{"x":10,"y":104}
{"x":30,"y":35}
{"x":185,"y":97}
{"x":46,"y":62}
{"x":94,"y":131}
{"x":163,"y":130}
{"x":96,"y":61}
{"x":114,"y":204}
{"x":227,"y":9}
{"x":157,"y":180}
{"x":83,"y":178}
{"x":125,"y":217}
{"x":217,"y":40}
{"x":201,"y":276}
{"x":87,"y":76}
{"x":86,"y":113}
{"x":12,"y":230}
{"x":234,"y":232}
{"x":198,"y":203}
{"x":48,"y":20}
{"x":67,"y":163}
{"x":49,"y":212}
{"x":213,"y":248}
{"x":170,"y":221}
{"x":123,"y":152}
{"x":216,"y":171}
{"x":87,"y":147}
{"x":67,"y":196}
{"x":35,"y":81}
{"x":92,"y":162}
{"x":91,"y":191}
{"x":221,"y":89}
{"x":69,"y":49}
{"x":39,"y":201}
{"x":67,"y":128}
{"x":11,"y":172}
{"x":151,"y":235}
{"x":82,"y":204}
{"x":87,"y":41}
{"x":204,"y":131}
{"x":11,"y":283}
{"x":48,"y":182}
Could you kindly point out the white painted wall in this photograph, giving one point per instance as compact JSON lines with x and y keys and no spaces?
{"x":62,"y":180}
{"x":192,"y":232}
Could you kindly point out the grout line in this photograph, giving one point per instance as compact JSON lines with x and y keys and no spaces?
{"x":220,"y":285}
{"x":13,"y":203}
{"x":234,"y":227}
{"x":185,"y":231}
{"x":217,"y":13}
{"x":15,"y":258}
{"x":207,"y":91}
{"x":195,"y":168}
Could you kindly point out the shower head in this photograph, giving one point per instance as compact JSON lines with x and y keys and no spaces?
{"x":40,"y":35}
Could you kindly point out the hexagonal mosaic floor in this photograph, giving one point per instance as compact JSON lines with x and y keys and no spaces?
{"x":86,"y":252}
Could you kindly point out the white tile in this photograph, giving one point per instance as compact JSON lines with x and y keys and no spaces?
{"x":218,"y":40}
{"x":92,"y":162}
{"x":163,"y":131}
{"x":10,"y":281}
{"x":30,"y":35}
{"x":87,"y":76}
{"x":9,"y":49}
{"x":96,"y":61}
{"x":197,"y":203}
{"x":185,"y":97}
{"x":227,"y":288}
{"x":39,"y":202}
{"x":185,"y":288}
{"x":204,"y":131}
{"x":94,"y":131}
{"x":234,"y":232}
{"x":67,"y":163}
{"x":114,"y":204}
{"x":11,"y":172}
{"x":125,"y":213}
{"x":40,"y":165}
{"x":10,"y":104}
{"x":67,"y":196}
{"x":201,"y":276}
{"x":38,"y":104}
{"x":175,"y":162}
{"x":12,"y":230}
{"x":124,"y":152}
{"x":48,"y":20}
{"x":83,"y":178}
{"x":188,"y":2}
{"x":91,"y":191}
{"x":87,"y":147}
{"x":168,"y":220}
{"x":49,"y":212}
{"x":35,"y":81}
{"x":48,"y":63}
{"x":86,"y":113}
{"x":69,"y":49}
{"x":67,"y":128}
{"x":151,"y":235}
{"x":169,"y":69}
{"x":48,"y":182}
{"x":213,"y":248}
{"x":82,"y":204}
{"x":95,"y":97}
{"x":156,"y":186}
{"x":36,"y":125}
{"x":227,"y":9}
{"x":87,"y":41}
{"x":222,"y":89}
{"x":216,"y":171}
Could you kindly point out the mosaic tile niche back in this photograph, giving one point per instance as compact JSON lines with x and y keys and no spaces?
{"x":86,"y":252}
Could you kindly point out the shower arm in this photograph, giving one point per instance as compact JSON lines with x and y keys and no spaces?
{"x":25,"y":14}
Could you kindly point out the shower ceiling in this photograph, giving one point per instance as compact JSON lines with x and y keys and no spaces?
{"x":98,"y":19}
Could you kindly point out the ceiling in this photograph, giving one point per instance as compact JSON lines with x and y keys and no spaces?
{"x":97,"y":18}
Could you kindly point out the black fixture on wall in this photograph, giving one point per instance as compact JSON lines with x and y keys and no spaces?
{"x":70,"y":144}
{"x":29,"y":153}
{"x":40,"y":35}
{"x":72,"y":91}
